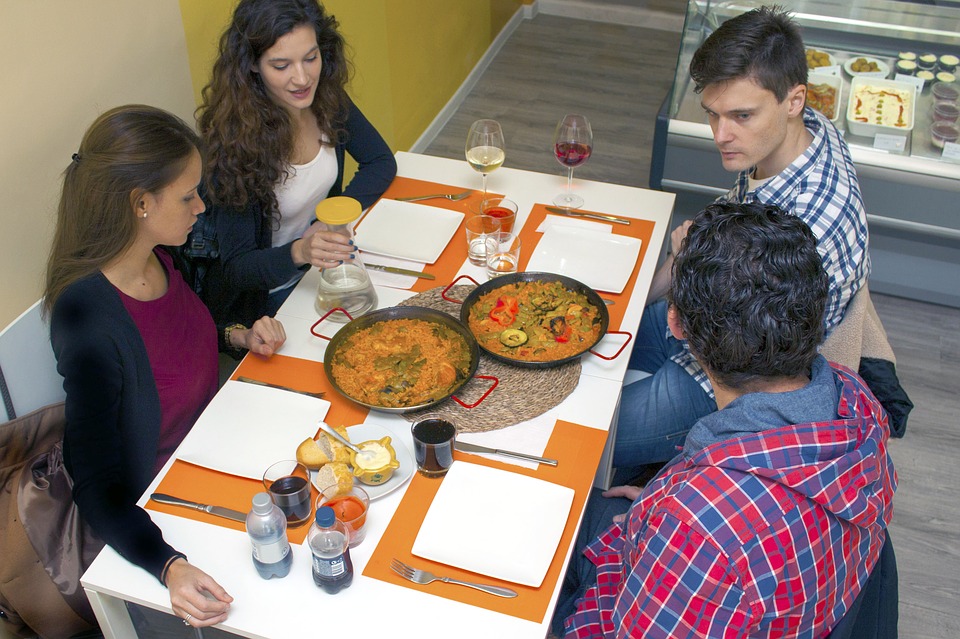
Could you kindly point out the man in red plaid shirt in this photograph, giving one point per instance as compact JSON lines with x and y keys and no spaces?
{"x":770,"y":520}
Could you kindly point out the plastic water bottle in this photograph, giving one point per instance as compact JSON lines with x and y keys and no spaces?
{"x":329,"y":543}
{"x":267,"y":527}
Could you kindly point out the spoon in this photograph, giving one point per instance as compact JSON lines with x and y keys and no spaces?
{"x":365,"y":454}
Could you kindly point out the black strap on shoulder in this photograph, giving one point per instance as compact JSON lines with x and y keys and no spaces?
{"x":7,"y":400}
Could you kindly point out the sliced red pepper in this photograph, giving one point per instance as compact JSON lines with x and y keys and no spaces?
{"x":505,"y":311}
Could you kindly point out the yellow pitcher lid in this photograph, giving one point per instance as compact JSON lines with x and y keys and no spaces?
{"x":338,"y":210}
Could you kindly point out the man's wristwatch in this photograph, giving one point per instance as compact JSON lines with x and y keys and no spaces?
{"x":228,"y":330}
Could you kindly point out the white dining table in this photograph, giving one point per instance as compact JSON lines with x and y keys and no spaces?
{"x":293,"y":606}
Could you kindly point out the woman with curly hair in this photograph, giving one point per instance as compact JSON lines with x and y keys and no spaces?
{"x":276,"y":121}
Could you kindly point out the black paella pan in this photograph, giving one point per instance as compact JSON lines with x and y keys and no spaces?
{"x":570,"y":284}
{"x":394,"y":313}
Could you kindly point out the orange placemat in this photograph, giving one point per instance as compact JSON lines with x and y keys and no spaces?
{"x":453,"y":257}
{"x":577,"y":450}
{"x":207,"y":486}
{"x":641,"y":229}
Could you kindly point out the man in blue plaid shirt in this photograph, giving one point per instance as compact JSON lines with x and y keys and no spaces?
{"x":752,"y":76}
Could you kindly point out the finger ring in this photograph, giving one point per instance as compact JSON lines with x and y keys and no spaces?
{"x":186,"y":620}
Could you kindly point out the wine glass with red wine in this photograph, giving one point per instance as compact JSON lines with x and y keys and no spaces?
{"x":572,"y":144}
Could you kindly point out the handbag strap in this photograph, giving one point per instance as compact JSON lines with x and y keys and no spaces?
{"x":7,"y":400}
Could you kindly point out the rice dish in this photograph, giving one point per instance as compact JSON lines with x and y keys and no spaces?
{"x":401,"y":363}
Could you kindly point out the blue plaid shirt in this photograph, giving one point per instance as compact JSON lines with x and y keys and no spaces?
{"x":821,"y":188}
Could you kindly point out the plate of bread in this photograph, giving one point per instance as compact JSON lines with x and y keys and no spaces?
{"x":331,"y":462}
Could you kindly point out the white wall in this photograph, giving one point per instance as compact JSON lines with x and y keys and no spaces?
{"x":63,"y":63}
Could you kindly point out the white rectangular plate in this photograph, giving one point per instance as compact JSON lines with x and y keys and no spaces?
{"x":495,"y":523}
{"x":602,"y":261}
{"x":407,"y":230}
{"x":246,"y":427}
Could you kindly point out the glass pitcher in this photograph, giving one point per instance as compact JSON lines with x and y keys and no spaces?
{"x":347,"y":285}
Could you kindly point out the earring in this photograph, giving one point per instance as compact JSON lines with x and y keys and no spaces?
{"x":144,"y":216}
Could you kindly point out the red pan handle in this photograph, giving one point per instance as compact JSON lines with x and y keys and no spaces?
{"x":443,"y":293}
{"x":325,"y":316}
{"x":623,"y":346}
{"x":496,"y":381}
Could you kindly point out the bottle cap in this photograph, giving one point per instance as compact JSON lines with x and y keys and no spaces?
{"x":339,"y":209}
{"x":325,"y":516}
{"x":262,"y":504}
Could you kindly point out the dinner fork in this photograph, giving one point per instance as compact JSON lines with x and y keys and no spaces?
{"x":423,"y":577}
{"x":453,"y":197}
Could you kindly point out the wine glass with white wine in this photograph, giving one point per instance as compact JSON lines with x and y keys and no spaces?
{"x":485,"y":150}
{"x":572,"y":144}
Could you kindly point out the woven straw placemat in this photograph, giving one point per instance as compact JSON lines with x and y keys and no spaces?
{"x":523,"y":393}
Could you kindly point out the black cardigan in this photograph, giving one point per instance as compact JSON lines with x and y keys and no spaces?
{"x":113,"y":418}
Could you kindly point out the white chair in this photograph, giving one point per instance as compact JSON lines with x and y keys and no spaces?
{"x":28,"y":370}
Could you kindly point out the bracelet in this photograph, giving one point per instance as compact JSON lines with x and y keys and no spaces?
{"x":166,"y":566}
{"x":228,"y":330}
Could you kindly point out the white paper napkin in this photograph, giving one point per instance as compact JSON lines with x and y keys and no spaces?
{"x":393,"y":280}
{"x":495,"y":523}
{"x":246,"y":428}
{"x":553,"y":221}
{"x":528,"y":437}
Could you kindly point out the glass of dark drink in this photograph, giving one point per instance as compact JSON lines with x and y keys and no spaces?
{"x":572,"y":145}
{"x":288,"y":484}
{"x":433,"y":439}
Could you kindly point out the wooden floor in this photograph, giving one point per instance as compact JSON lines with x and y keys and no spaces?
{"x":618,"y":75}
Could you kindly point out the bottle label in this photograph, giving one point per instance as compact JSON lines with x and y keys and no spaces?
{"x":273,"y":552}
{"x":329,"y":567}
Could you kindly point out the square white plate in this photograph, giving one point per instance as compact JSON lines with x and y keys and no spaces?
{"x":407,"y":230}
{"x":246,"y":427}
{"x":602,"y":261}
{"x":495,"y":523}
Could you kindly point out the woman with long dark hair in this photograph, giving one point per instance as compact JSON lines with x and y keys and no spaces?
{"x":136,"y":347}
{"x":276,"y":121}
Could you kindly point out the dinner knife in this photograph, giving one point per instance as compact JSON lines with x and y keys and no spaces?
{"x":219,"y":511}
{"x":399,"y":271}
{"x":592,"y":216}
{"x":475,"y":448}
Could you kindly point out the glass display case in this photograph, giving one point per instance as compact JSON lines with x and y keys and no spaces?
{"x":909,"y":177}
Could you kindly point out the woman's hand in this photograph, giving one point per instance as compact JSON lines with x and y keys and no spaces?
{"x":265,"y":338}
{"x":195,"y":596}
{"x":323,"y":249}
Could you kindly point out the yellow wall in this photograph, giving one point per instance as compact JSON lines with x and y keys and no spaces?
{"x":66,"y":62}
{"x":409,"y":56}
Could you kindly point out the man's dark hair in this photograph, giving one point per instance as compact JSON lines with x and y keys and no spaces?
{"x":764,"y":45}
{"x":749,"y":290}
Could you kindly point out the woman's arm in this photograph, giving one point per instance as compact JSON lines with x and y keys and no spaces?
{"x":247,"y":259}
{"x":376,"y":164}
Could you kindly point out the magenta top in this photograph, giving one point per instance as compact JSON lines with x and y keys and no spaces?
{"x":181,"y":341}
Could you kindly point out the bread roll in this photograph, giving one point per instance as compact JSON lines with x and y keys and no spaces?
{"x":335,"y":473}
{"x":340,"y":452}
{"x":314,"y":453}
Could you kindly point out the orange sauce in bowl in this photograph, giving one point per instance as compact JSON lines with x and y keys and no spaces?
{"x":348,"y":509}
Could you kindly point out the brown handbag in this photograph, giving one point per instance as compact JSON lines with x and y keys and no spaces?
{"x":45,"y":545}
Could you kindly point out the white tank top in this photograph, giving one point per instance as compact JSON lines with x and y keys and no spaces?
{"x":297,"y":198}
{"x":298,"y":194}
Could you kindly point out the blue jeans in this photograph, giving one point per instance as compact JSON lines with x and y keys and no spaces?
{"x":657,"y":412}
{"x":581,"y":573}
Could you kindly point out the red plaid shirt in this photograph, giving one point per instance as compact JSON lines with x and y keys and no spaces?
{"x":771,"y":534}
